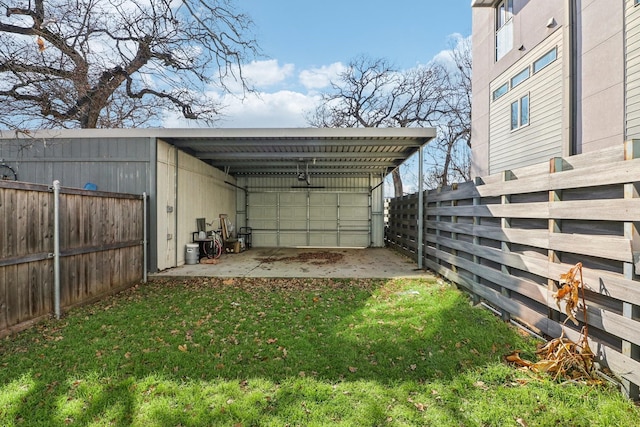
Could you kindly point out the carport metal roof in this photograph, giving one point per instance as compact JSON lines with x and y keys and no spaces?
{"x":267,"y":151}
{"x":326,"y":151}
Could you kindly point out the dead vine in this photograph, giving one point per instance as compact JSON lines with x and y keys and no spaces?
{"x":561,"y":357}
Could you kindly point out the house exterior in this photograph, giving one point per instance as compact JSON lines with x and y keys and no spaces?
{"x":552,"y":78}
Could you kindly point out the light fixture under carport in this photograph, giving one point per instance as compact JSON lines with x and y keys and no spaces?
{"x":304,"y":174}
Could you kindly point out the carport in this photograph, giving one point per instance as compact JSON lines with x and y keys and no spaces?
{"x":301,"y":187}
{"x":307,"y":187}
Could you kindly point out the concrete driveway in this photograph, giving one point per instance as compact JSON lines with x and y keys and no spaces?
{"x":305,"y":262}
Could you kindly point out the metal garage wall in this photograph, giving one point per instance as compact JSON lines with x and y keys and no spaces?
{"x":187,"y":189}
{"x":119,"y":165}
{"x":332,"y":212}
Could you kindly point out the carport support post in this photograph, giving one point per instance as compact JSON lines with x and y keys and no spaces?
{"x":420,"y":206}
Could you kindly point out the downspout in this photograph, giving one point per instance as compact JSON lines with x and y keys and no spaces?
{"x":572,"y":35}
{"x":56,"y":248}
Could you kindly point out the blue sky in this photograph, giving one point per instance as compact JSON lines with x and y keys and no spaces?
{"x":306,"y":43}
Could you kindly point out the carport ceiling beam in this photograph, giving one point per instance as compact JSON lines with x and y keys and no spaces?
{"x":204,"y":143}
{"x":302,"y":156}
{"x":274,"y":164}
{"x":327,"y":171}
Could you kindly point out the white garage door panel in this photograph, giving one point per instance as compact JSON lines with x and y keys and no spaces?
{"x":323,"y":216}
{"x":323,"y":239}
{"x":289,"y":239}
{"x":289,"y":219}
{"x":293,"y":217}
{"x":263,"y":239}
{"x":263,"y":219}
{"x":357,"y":240}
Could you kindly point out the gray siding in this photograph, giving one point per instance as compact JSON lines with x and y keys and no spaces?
{"x":542,"y":138}
{"x":632,"y":43}
{"x":119,"y":165}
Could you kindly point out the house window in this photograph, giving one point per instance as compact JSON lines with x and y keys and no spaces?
{"x":500,"y":91}
{"x":520,"y":77}
{"x":545,"y":60}
{"x":504,"y":28}
{"x":520,"y":113}
{"x":504,"y":11}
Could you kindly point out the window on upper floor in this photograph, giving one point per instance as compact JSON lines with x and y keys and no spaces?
{"x":504,"y":11}
{"x":500,"y":91}
{"x":545,"y":60}
{"x":520,"y":112}
{"x":504,"y":28}
{"x":520,"y":77}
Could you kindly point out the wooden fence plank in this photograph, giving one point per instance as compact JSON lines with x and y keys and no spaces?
{"x":512,"y":210}
{"x":92,"y":230}
{"x":4,"y":278}
{"x":597,"y":210}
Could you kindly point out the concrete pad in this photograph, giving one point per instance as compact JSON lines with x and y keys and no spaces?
{"x":305,"y":263}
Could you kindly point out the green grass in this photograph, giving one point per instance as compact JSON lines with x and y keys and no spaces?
{"x":275,"y":352}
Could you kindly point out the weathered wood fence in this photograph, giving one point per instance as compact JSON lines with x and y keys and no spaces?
{"x":507,"y":238}
{"x":101,"y":248}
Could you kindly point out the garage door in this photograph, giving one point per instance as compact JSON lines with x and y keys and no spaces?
{"x":318,"y":219}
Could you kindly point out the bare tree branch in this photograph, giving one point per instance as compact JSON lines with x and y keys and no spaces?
{"x":66,"y":62}
{"x":372,"y":93}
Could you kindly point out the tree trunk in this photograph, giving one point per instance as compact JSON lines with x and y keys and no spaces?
{"x":397,"y":183}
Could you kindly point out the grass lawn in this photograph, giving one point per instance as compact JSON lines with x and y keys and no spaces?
{"x":275,"y":352}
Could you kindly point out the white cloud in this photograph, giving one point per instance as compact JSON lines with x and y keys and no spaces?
{"x":317,"y":78}
{"x":266,"y":73}
{"x":281,"y":109}
{"x":457,"y":41}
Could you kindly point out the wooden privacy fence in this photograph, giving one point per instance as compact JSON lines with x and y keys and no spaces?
{"x":100,"y":249}
{"x":507,"y":238}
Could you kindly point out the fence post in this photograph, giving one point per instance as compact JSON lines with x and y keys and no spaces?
{"x":505,"y":199}
{"x":56,"y":248}
{"x":555,"y":226}
{"x":631,"y":232}
{"x":477,"y":200}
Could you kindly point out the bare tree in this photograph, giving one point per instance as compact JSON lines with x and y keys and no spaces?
{"x":372,"y":93}
{"x":451,"y":151}
{"x":117,"y":63}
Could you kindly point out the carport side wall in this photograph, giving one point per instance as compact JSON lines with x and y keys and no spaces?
{"x":188,"y":189}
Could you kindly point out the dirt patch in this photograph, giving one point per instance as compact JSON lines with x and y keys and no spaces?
{"x":315,"y":258}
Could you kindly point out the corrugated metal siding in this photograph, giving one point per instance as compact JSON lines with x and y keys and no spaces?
{"x":632,"y":58}
{"x":542,"y":138}
{"x":113,"y":164}
{"x":290,"y":183}
{"x":187,"y":189}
